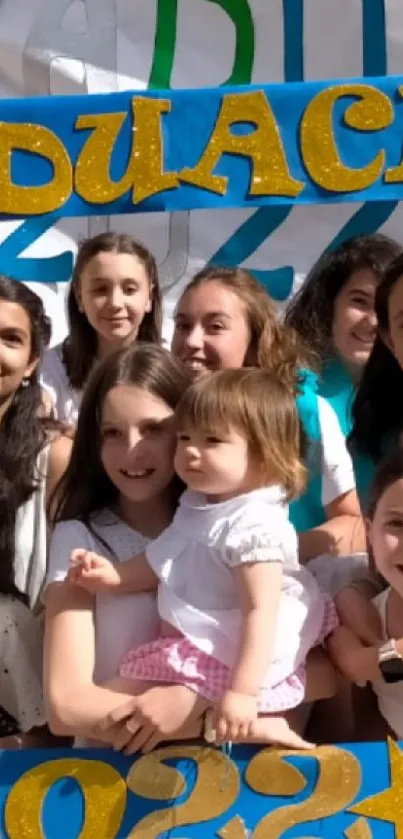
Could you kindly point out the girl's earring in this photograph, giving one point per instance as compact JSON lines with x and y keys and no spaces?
{"x":149,"y":306}
{"x":25,"y":382}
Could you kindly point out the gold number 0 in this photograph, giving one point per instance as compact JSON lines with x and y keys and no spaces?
{"x":103,"y":788}
{"x":338,"y":783}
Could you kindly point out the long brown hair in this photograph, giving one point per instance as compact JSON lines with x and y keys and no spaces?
{"x":85,"y":488}
{"x":273,"y":346}
{"x":80,"y":347}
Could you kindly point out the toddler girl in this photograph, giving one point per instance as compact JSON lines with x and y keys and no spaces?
{"x":238,"y":614}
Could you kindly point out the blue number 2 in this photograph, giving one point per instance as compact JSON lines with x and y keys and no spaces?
{"x":47,"y":269}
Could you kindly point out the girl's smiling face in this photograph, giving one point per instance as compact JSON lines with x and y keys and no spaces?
{"x":138,"y":439}
{"x":16,"y":361}
{"x":211,"y":329}
{"x":114,"y":293}
{"x":385,"y":533}
{"x":354,"y":320}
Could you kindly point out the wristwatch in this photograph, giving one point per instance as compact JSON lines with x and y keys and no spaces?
{"x":390,"y":662}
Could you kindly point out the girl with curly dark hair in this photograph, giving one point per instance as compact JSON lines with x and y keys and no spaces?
{"x":334,"y":313}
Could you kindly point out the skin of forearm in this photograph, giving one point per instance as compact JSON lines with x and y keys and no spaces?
{"x":340,"y":536}
{"x":253,"y":657}
{"x":79,"y":712}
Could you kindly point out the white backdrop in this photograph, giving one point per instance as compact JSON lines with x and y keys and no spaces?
{"x":51,"y":47}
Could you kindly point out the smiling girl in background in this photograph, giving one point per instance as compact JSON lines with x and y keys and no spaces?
{"x":113,"y":299}
{"x":334,"y":311}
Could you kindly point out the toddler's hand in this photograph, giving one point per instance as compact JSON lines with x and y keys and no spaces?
{"x":235,"y":717}
{"x":93,"y":572}
{"x":359,"y":615}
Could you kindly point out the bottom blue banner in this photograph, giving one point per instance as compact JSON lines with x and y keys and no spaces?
{"x":193,"y":791}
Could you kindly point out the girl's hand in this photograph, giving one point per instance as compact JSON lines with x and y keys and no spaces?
{"x":235,"y":717}
{"x":93,"y":572}
{"x":162,"y":712}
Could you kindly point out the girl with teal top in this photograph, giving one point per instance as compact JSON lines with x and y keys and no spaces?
{"x":377,"y":411}
{"x":225,"y":318}
{"x":334,"y":312}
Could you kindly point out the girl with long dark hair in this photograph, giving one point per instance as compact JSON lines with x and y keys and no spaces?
{"x":33,"y":455}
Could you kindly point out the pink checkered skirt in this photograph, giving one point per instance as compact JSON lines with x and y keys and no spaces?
{"x":176,"y":660}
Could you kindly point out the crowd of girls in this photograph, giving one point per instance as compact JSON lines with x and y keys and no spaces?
{"x":183,"y":549}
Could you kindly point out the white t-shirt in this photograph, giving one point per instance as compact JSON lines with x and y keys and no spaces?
{"x":54,"y":380}
{"x":121,"y":621}
{"x":336,"y":464}
{"x":194,"y":558}
{"x":334,"y":573}
{"x":390,"y":696}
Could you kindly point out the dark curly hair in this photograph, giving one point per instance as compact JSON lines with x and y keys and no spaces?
{"x":377,"y":410}
{"x":311,"y":311}
{"x":23,"y":432}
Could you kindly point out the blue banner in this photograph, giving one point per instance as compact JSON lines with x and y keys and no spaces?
{"x":303,"y":142}
{"x":194,"y":791}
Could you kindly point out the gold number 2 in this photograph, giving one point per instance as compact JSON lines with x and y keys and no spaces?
{"x":216,"y":789}
{"x":338,"y":783}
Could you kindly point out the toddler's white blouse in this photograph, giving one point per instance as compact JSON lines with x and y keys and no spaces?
{"x":194,"y":557}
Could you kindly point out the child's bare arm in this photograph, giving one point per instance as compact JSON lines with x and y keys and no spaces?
{"x":358,"y":614}
{"x":96,"y":574}
{"x":358,"y":662}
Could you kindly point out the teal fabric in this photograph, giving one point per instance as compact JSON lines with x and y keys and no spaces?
{"x":307,"y":511}
{"x":337,"y":388}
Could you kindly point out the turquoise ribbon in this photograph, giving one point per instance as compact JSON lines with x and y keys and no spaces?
{"x":307,"y":511}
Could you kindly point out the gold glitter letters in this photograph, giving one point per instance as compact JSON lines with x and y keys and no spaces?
{"x":103,"y":788}
{"x":394,"y":175}
{"x":373,"y":112}
{"x":33,"y":200}
{"x":262,"y":145}
{"x":144,"y":172}
{"x":212,"y":794}
{"x":338,"y":783}
{"x":216,"y":788}
{"x":140,"y":159}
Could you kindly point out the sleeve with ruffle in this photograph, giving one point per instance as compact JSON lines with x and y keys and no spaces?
{"x":252,"y":542}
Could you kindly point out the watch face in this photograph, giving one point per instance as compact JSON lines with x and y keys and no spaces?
{"x":392,"y":670}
